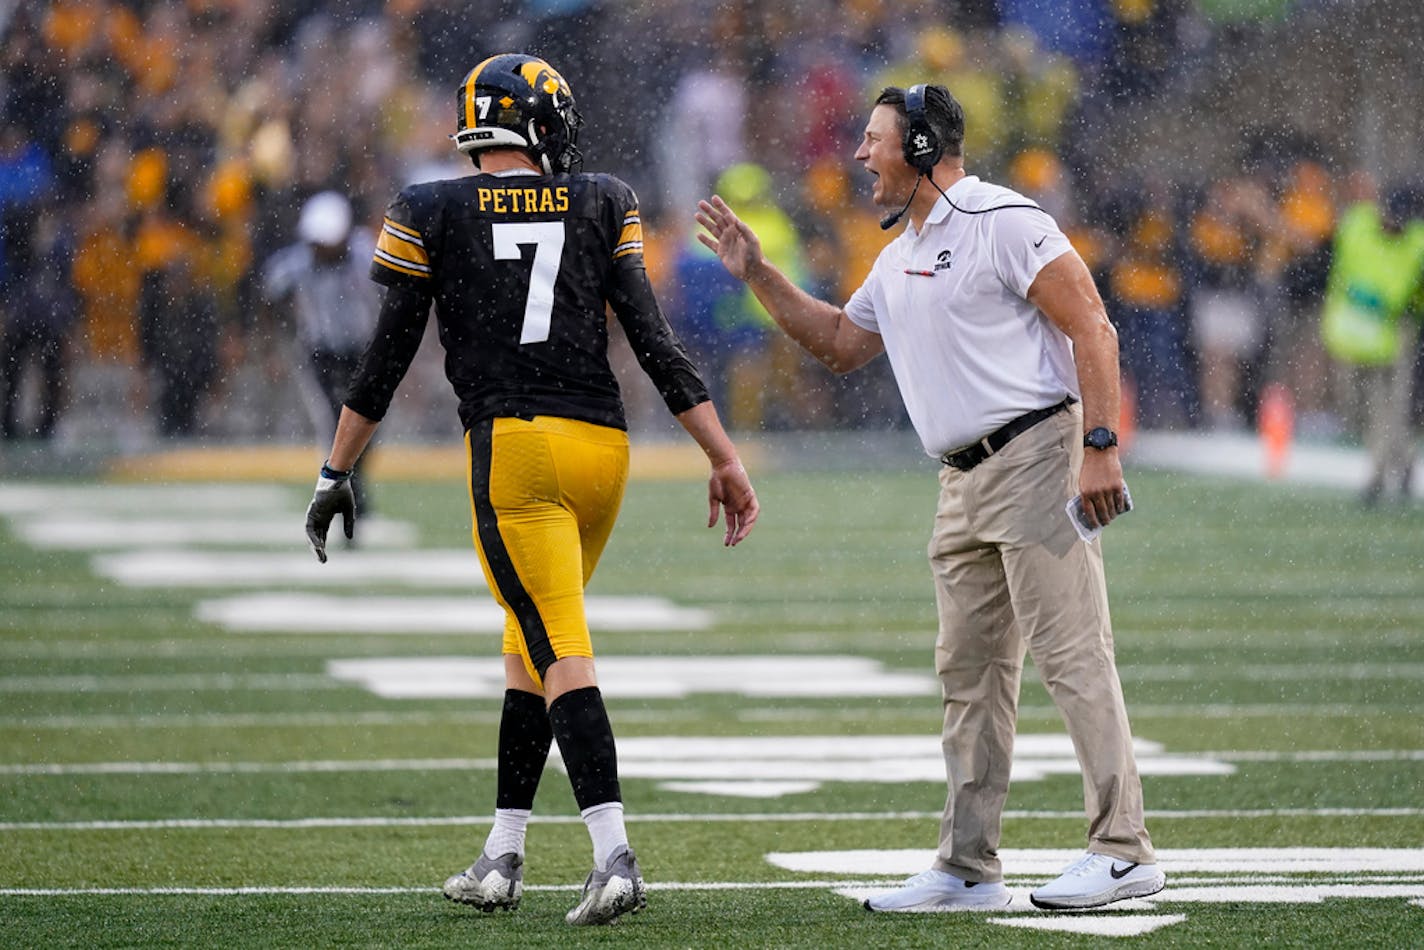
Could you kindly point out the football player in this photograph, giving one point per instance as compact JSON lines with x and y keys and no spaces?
{"x":522,"y":261}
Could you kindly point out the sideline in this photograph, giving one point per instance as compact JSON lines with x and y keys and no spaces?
{"x":1243,"y":456}
{"x":202,"y":824}
{"x":394,"y":462}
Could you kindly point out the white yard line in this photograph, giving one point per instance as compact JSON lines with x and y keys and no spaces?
{"x":750,"y":714}
{"x":678,"y":713}
{"x":167,"y":568}
{"x":1272,"y":672}
{"x":168,"y":682}
{"x":1097,"y":925}
{"x":209,"y":646}
{"x":1249,"y":710}
{"x":488,"y":716}
{"x":1050,"y":861}
{"x":295,"y":644}
{"x":1243,"y":643}
{"x":1190,"y":814}
{"x":70,"y":532}
{"x":258,"y":890}
{"x":1324,"y":755}
{"x":269,"y":612}
{"x":760,"y":677}
{"x":659,"y":758}
{"x":456,"y":821}
{"x":1242,"y":889}
{"x":200,"y":824}
{"x":38,"y":498}
{"x":1136,"y":711}
{"x":267,"y":720}
{"x":200,"y":768}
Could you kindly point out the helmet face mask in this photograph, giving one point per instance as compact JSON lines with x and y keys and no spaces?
{"x":517,"y":101}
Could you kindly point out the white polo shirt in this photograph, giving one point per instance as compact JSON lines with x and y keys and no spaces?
{"x":968,"y":350}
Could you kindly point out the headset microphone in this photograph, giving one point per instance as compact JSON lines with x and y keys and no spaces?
{"x":893,"y":218}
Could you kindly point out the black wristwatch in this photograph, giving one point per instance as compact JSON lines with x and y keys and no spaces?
{"x":1099,"y":438}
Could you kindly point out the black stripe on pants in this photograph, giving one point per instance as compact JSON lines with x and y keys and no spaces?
{"x":506,"y":578}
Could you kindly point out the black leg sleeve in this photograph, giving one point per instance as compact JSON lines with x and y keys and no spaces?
{"x":580,"y":723}
{"x":524,"y":739}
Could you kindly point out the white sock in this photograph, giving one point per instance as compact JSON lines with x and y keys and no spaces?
{"x":605,"y":827}
{"x":508,"y":832}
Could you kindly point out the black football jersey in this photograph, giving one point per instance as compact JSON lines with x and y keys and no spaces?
{"x":522,"y":270}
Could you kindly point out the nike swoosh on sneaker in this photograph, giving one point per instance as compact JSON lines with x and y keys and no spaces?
{"x":1120,"y":874}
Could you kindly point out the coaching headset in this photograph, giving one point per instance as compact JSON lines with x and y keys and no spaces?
{"x":922,"y":151}
{"x":922,"y":147}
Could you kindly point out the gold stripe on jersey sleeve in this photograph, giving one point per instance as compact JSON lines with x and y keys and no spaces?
{"x":401,"y":249}
{"x":630,"y":240}
{"x":401,"y":230}
{"x":400,"y":267}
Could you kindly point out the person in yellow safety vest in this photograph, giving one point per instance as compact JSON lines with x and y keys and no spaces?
{"x":753,"y":363}
{"x":1369,"y":325}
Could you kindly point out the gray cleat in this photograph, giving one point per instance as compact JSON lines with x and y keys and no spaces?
{"x":609,"y":894}
{"x":490,"y":883}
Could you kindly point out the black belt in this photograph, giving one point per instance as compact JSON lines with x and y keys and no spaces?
{"x":965,"y":459}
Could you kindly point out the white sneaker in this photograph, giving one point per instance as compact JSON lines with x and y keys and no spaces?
{"x":935,"y":890}
{"x":1096,"y":879}
{"x":490,"y":883}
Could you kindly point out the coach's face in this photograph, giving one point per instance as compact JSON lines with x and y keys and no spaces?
{"x":883,"y":154}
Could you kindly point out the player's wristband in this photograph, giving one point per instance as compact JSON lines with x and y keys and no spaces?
{"x":334,"y":474}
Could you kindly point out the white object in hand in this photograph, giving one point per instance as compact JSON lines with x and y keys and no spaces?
{"x":1080,"y":519}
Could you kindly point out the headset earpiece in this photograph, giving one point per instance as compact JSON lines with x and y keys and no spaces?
{"x":921,"y":145}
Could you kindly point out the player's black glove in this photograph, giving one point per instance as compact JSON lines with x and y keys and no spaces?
{"x":333,"y":496}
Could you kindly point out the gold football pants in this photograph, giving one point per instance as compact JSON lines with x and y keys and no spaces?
{"x":544,"y":494}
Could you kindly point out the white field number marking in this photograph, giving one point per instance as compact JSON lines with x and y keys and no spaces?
{"x":548,"y":240}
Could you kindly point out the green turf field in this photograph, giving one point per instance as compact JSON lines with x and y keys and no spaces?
{"x":177,"y":769}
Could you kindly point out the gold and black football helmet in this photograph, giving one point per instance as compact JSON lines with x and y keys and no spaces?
{"x":520,"y":101}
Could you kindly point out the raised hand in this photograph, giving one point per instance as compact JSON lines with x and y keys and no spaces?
{"x":735,"y":244}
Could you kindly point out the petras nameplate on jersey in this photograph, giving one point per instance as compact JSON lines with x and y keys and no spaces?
{"x":524,"y":200}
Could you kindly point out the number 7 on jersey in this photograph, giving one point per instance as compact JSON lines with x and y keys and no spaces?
{"x":548,"y":240}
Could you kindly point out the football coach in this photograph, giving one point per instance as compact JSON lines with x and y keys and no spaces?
{"x":1008,"y":367}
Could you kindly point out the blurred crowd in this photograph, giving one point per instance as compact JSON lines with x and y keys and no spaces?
{"x":155,"y":157}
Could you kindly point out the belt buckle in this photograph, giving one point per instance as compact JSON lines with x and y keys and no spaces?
{"x":963,"y":460}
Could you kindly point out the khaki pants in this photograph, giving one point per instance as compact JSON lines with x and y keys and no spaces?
{"x":1011,"y":573}
{"x":1377,"y":400}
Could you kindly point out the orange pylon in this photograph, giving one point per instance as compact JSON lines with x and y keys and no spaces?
{"x":1275,"y":421}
